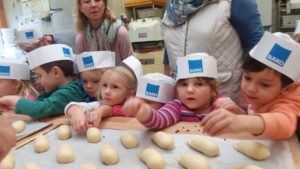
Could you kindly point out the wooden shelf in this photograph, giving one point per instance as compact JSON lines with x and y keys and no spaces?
{"x":141,"y":3}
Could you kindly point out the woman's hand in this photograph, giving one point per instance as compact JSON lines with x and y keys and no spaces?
{"x":7,"y":137}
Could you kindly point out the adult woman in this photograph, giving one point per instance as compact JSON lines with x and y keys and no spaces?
{"x":225,"y":29}
{"x":7,"y":136}
{"x":99,"y":30}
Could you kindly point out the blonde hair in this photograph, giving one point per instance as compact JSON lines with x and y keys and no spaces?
{"x":82,"y":21}
{"x":126,"y":75}
{"x":26,"y":89}
{"x":94,"y":74}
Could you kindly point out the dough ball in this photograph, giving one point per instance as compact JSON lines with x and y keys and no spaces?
{"x":129,"y":140}
{"x":193,"y":161}
{"x":19,"y":126}
{"x":93,"y":135}
{"x":253,"y":149}
{"x":248,"y":167}
{"x":31,"y":165}
{"x":41,"y":144}
{"x":205,"y":146}
{"x":163,"y":140}
{"x":109,"y":155}
{"x":64,"y":132}
{"x":87,"y":166}
{"x":8,"y":162}
{"x":152,"y":158}
{"x":65,"y":154}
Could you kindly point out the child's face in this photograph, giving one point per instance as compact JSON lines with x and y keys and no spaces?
{"x":46,"y":80}
{"x":114,"y":90}
{"x":90,"y":84}
{"x":153,"y":104}
{"x":195,"y":94}
{"x":260,"y":88}
{"x":9,"y":87}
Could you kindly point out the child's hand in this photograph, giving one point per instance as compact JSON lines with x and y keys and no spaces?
{"x":78,"y":121}
{"x":132,"y":106}
{"x":8,"y":102}
{"x":94,"y":118}
{"x":228,"y":104}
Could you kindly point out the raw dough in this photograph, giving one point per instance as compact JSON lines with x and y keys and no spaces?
{"x":87,"y":166}
{"x":163,"y":140}
{"x":109,"y":155}
{"x":41,"y":144}
{"x":19,"y":126}
{"x":65,"y":154}
{"x":8,"y":162}
{"x":31,"y":165}
{"x":152,"y":158}
{"x":253,"y":149}
{"x":205,"y":146}
{"x":193,"y":161}
{"x":64,"y":132}
{"x":248,"y":167}
{"x":93,"y":135}
{"x":129,"y":140}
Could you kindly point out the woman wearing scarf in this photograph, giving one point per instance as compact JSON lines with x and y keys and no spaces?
{"x":99,"y":30}
{"x":225,"y":29}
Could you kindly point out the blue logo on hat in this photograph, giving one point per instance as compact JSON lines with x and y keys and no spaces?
{"x":66,"y":52}
{"x":195,"y":66}
{"x":152,"y":90}
{"x":4,"y":70}
{"x":29,"y":35}
{"x":88,"y":61}
{"x":279,"y":55}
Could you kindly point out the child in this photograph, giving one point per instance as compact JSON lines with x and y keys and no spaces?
{"x":156,"y":89}
{"x":91,"y":66}
{"x":116,"y":86}
{"x":54,"y":67}
{"x":196,"y":90}
{"x":14,"y":79}
{"x":269,"y":86}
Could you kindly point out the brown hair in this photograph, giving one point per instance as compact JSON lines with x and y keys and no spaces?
{"x":27,"y":88}
{"x":66,"y":66}
{"x":82,"y":21}
{"x":95,"y":73}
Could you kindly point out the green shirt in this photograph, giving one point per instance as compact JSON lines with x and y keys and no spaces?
{"x":50,"y":104}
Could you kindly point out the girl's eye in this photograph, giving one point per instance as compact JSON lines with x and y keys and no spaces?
{"x":115,"y":87}
{"x":199,"y":84}
{"x":84,"y":81}
{"x":265,"y":85}
{"x":104,"y":85}
{"x":247,"y":78}
{"x":96,"y":81}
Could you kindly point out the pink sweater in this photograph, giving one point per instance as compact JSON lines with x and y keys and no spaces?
{"x":121,"y":46}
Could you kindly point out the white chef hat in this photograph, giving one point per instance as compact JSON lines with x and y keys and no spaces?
{"x":28,"y":33}
{"x":156,"y":87}
{"x":95,"y":60}
{"x":196,"y":65}
{"x":14,"y":69}
{"x":49,"y":53}
{"x":135,"y":65}
{"x":280,"y":52}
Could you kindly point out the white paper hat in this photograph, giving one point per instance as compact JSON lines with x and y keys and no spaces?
{"x":49,"y":53}
{"x":135,"y":65}
{"x":14,"y":69}
{"x":279,"y":52}
{"x":28,"y":33}
{"x":156,"y":87}
{"x":196,"y":65}
{"x":297,"y":29}
{"x":95,"y":60}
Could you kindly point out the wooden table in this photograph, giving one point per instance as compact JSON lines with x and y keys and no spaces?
{"x":132,"y":123}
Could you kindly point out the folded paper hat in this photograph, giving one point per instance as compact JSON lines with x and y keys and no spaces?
{"x":279,"y":52}
{"x":196,"y":65}
{"x":14,"y":69}
{"x":28,"y":33}
{"x":135,"y":66}
{"x":156,"y":87}
{"x":49,"y":53}
{"x":95,"y":60}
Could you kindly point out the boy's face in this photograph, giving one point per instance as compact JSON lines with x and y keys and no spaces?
{"x":90,"y":84}
{"x":261,"y":88}
{"x":46,"y":80}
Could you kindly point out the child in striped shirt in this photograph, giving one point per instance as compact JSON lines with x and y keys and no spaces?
{"x":196,"y":89}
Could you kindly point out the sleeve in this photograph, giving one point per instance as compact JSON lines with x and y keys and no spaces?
{"x":245,"y":18}
{"x":84,"y":107}
{"x":79,"y":45}
{"x":167,"y":115}
{"x":123,"y":43}
{"x":117,"y":111}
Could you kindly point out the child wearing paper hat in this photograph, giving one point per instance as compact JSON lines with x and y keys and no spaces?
{"x":53,"y":64}
{"x":91,"y":66}
{"x":270,"y":87}
{"x":196,"y":89}
{"x":15,"y":79}
{"x":156,"y":89}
